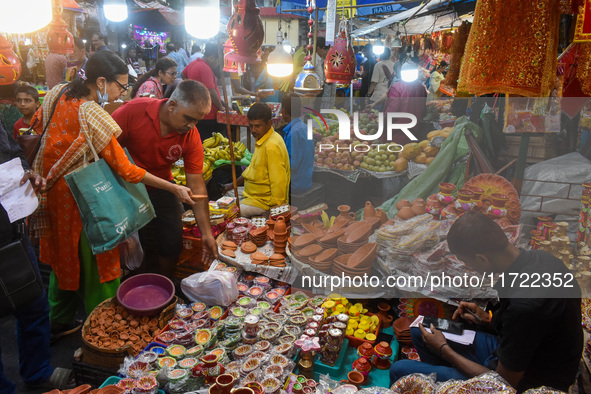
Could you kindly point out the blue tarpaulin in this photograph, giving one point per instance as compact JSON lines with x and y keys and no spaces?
{"x":363,"y":11}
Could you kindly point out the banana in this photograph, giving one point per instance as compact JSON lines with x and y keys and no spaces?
{"x":332,"y":218}
{"x":325,"y":220}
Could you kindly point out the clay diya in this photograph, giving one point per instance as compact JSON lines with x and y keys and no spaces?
{"x":255,"y":387}
{"x":356,"y":378}
{"x":225,"y":383}
{"x":363,"y":366}
{"x":383,"y":353}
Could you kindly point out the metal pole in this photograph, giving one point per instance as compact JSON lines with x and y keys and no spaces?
{"x":315,"y":36}
{"x":228,"y":125}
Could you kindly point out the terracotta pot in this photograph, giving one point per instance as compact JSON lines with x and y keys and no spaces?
{"x":406,"y":213}
{"x":369,"y":211}
{"x":403,"y":203}
{"x":383,"y":350}
{"x":499,"y":200}
{"x":243,"y":390}
{"x":225,"y":383}
{"x":344,"y":213}
{"x":10,"y":67}
{"x":365,"y":350}
{"x":280,"y":226}
{"x":245,"y":29}
{"x":59,"y":39}
{"x":356,"y":378}
{"x":382,"y":215}
{"x":447,"y":188}
{"x":340,"y":63}
{"x":384,"y":315}
{"x":362,"y":365}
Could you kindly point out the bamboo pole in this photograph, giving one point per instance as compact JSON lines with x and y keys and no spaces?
{"x":228,"y":125}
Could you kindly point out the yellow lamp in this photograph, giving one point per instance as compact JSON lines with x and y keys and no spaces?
{"x":370,"y":337}
{"x":350,"y":331}
{"x":359,"y":334}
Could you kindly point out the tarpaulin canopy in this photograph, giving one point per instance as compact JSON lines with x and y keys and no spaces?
{"x":360,"y":12}
{"x":433,"y":17}
{"x":423,"y":24}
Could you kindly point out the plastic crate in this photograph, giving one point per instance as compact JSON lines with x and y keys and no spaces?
{"x":114,"y":380}
{"x":335,"y":370}
{"x":90,"y":374}
{"x":356,"y":342}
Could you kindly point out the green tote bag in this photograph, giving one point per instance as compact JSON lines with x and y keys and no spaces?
{"x":111,"y":209}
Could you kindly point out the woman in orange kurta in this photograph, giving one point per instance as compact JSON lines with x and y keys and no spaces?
{"x":57,"y":222}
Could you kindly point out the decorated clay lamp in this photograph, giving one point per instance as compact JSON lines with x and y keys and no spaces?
{"x":365,"y":350}
{"x":383,"y":354}
{"x":464,"y":202}
{"x":445,"y":195}
{"x":59,"y":39}
{"x":246,"y":32}
{"x":363,"y":366}
{"x":10,"y":65}
{"x":307,"y":345}
{"x":340,"y":63}
{"x":497,"y":209}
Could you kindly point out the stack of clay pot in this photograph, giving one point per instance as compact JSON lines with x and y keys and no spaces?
{"x":229,"y":248}
{"x":280,"y":235}
{"x":357,"y":263}
{"x":259,"y":236}
{"x":408,"y":210}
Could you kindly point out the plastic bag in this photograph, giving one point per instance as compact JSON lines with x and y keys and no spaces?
{"x":131,"y":253}
{"x":211,"y":287}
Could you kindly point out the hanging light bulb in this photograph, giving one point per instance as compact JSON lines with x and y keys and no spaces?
{"x":396,"y":42}
{"x":115,"y":10}
{"x":202,"y":18}
{"x":287,"y":45}
{"x":279,"y":63}
{"x":378,"y":47}
{"x":25,"y":16}
{"x":409,"y":72}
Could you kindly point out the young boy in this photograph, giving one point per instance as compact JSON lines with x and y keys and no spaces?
{"x":27,"y":102}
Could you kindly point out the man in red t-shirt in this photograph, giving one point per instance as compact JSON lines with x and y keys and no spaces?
{"x":202,"y":70}
{"x":157,"y":133}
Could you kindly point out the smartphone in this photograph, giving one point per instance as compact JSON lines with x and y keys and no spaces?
{"x":453,"y":327}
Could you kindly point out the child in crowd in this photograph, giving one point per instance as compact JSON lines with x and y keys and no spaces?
{"x":27,"y":102}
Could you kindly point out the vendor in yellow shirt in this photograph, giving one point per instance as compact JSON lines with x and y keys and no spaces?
{"x":266,"y":180}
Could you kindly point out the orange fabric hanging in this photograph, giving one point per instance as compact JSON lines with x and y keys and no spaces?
{"x":512,"y":48}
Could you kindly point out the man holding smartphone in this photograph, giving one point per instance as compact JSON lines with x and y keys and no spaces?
{"x":533,"y":337}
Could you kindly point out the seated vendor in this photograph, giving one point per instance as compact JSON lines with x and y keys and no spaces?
{"x":266,"y":180}
{"x":299,"y":147}
{"x":535,"y":337}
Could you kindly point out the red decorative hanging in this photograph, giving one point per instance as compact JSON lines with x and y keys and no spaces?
{"x":230,"y":66}
{"x":340,"y":63}
{"x":246,"y":32}
{"x":10,"y":65}
{"x":59,"y":39}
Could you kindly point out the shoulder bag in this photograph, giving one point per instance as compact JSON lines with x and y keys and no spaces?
{"x":110,"y":208}
{"x":19,"y":278}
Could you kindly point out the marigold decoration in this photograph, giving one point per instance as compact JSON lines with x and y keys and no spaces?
{"x":583,"y":25}
{"x":584,"y":68}
{"x":10,"y":65}
{"x":447,"y":39}
{"x":340,"y":63}
{"x":512,"y":48}
{"x":246,"y":32}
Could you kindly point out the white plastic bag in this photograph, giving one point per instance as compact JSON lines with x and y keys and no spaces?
{"x":212,"y":287}
{"x":131,"y":253}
